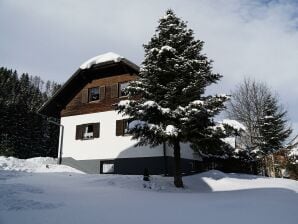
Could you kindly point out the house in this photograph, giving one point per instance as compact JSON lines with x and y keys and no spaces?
{"x":292,"y":148}
{"x":283,"y":162}
{"x":94,"y":135}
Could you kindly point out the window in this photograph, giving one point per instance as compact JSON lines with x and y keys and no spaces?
{"x":123,"y":126}
{"x":127,"y":126}
{"x":87,"y":131}
{"x":107,"y":167}
{"x":117,"y":89}
{"x":122,"y":87}
{"x":94,"y":94}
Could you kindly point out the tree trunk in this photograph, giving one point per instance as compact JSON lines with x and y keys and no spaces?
{"x":177,"y":171}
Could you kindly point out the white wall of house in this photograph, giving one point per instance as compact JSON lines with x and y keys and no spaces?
{"x":108,"y":145}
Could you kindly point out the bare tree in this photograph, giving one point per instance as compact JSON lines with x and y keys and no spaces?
{"x":249,"y":105}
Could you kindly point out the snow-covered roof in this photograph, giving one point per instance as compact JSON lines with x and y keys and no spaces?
{"x":102,"y":58}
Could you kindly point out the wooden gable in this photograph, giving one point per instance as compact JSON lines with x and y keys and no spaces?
{"x":109,"y":96}
{"x":72,"y":97}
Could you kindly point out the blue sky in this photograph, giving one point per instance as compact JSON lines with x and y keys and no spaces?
{"x":245,"y":38}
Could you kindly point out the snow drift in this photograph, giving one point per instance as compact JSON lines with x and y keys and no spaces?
{"x":34,"y":165}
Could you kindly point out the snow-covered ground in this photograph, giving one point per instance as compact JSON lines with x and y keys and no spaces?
{"x":39,"y":191}
{"x":36,"y":165}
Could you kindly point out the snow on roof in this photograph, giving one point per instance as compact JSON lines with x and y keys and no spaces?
{"x":110,"y":56}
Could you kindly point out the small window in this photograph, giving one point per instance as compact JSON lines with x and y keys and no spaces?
{"x":122,"y":87}
{"x":107,"y":167}
{"x":123,"y":126}
{"x":94,"y":94}
{"x":87,"y":131}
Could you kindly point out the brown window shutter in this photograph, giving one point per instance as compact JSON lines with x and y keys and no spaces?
{"x":119,"y":127}
{"x":108,"y":91}
{"x":79,"y":132}
{"x":85,"y":96}
{"x":96,"y":130}
{"x":114,"y":90}
{"x":102,"y":91}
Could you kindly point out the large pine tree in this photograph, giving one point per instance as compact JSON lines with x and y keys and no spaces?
{"x":167,"y":100}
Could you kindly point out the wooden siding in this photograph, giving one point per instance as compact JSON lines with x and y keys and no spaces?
{"x":79,"y":104}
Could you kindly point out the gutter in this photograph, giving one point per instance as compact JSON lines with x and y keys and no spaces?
{"x":60,"y":140}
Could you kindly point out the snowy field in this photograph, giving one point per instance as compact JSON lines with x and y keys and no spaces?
{"x":38,"y":191}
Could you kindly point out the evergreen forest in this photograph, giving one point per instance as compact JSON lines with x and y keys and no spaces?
{"x":23,"y":132}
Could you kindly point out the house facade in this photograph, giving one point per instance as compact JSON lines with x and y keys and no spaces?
{"x":94,"y":137}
